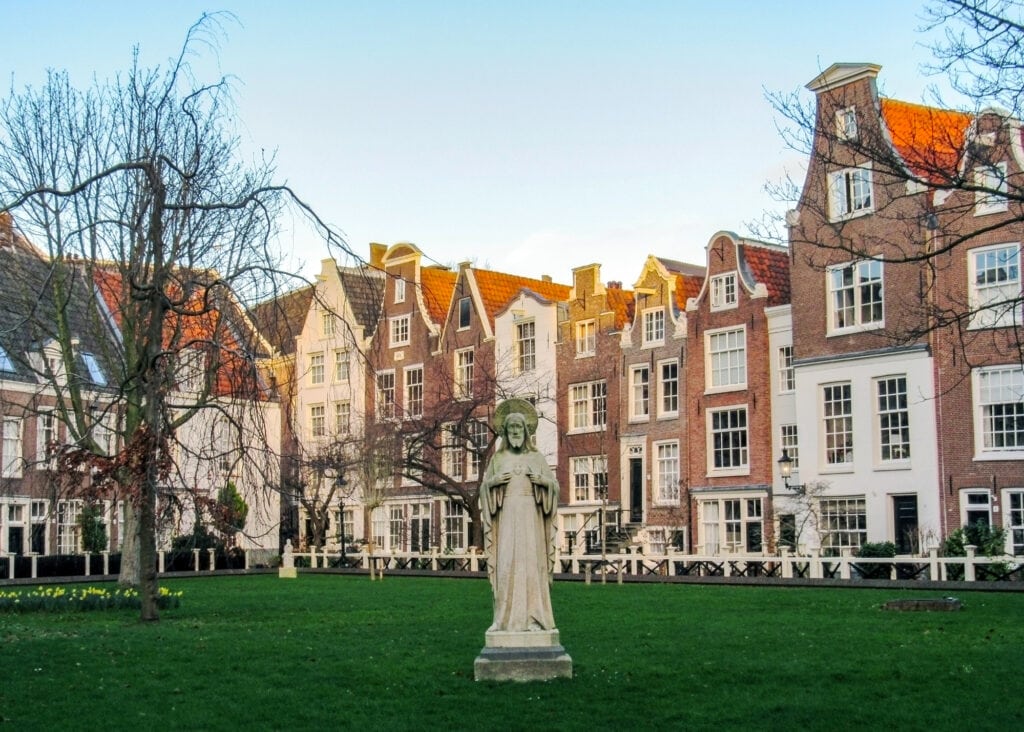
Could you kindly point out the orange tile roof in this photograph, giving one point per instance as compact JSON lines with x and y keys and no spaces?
{"x":770,"y":267}
{"x":930,"y":140}
{"x":497,"y":289}
{"x":622,"y":303}
{"x":437,"y":285}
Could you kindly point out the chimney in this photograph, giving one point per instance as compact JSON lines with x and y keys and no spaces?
{"x":377,"y":252}
{"x":545,"y":278}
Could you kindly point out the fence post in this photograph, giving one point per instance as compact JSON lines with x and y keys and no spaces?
{"x":474,"y":561}
{"x":844,"y":563}
{"x":933,"y":564}
{"x":86,"y":556}
{"x":787,"y":565}
{"x":35,"y":566}
{"x":106,"y":562}
{"x":816,"y":563}
{"x":326,"y":562}
{"x":160,"y":561}
{"x":195,"y":558}
{"x":969,"y":563}
{"x":245,"y":553}
{"x":213,"y":558}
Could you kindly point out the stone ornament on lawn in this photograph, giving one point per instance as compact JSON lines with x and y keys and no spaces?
{"x":518,"y":505}
{"x":287,"y":568}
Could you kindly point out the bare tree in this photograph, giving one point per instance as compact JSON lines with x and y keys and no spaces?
{"x":137,"y":186}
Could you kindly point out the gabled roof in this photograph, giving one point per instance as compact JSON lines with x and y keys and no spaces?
{"x":280,"y":319}
{"x":622,"y":304}
{"x":689,"y":280}
{"x":436,"y":286}
{"x":498,"y":289}
{"x":766,"y":264}
{"x":364,"y":289}
{"x":930,"y":140}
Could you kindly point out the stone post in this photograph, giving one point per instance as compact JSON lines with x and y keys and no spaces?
{"x":969,"y":563}
{"x":213,"y":558}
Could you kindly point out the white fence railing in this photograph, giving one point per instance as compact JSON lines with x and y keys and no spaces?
{"x":784,"y":566}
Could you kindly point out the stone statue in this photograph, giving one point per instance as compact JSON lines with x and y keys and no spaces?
{"x":518,"y":501}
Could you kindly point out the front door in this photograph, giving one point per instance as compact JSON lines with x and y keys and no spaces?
{"x":904,"y":511}
{"x":636,"y":490}
{"x":16,"y":540}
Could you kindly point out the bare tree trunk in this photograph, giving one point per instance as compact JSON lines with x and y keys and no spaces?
{"x":147,"y":554}
{"x":129,"y":575}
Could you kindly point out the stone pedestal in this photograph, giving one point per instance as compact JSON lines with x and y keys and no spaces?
{"x":287,"y":568}
{"x":534,"y":655}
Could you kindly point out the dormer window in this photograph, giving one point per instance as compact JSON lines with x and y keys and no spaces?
{"x":723,"y":291}
{"x":96,"y":374}
{"x":5,"y":361}
{"x":846,"y":123}
{"x":399,"y":290}
{"x":849,"y":193}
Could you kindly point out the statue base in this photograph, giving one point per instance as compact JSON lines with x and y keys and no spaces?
{"x":534,"y":655}
{"x":287,"y":572}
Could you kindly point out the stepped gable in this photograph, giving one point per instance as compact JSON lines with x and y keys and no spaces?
{"x":280,"y":320}
{"x":498,"y":289}
{"x":768,"y":265}
{"x":436,"y":286}
{"x":930,"y":140}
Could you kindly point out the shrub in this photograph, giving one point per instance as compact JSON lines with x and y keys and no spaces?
{"x":94,"y":531}
{"x":989,"y":540}
{"x":76,"y":599}
{"x":875,"y":550}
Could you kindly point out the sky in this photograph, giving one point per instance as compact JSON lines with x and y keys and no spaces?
{"x":526,"y":137}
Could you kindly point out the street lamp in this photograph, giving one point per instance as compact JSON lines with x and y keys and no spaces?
{"x":786,"y":469}
{"x":340,"y":483}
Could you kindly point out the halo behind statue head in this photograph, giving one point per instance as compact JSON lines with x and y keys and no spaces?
{"x":517,"y":406}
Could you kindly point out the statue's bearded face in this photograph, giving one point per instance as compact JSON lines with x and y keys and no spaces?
{"x":516,"y":430}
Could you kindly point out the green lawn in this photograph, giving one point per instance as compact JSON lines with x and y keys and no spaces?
{"x":331,"y":652}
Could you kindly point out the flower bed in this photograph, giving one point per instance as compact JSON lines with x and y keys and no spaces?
{"x":75,"y":599}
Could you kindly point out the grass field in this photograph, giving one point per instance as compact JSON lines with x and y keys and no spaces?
{"x":330,"y":652}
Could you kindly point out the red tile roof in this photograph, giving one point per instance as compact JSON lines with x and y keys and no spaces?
{"x":769,"y":265}
{"x":437,"y":285}
{"x":498,"y":289}
{"x":622,"y":303}
{"x":930,"y":140}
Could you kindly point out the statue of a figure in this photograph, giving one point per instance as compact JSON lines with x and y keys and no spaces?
{"x":518,"y":500}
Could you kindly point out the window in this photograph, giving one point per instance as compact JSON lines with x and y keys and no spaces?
{"x":386,"y":395}
{"x":5,"y":361}
{"x":999,"y":420}
{"x":347,"y":522}
{"x":464,"y":310}
{"x":379,"y":527}
{"x":787,"y":438}
{"x":454,"y":525}
{"x":396,"y":529}
{"x":1015,"y":521}
{"x":843,"y":524}
{"x":667,"y":462}
{"x":464,"y":374}
{"x":11,"y":452}
{"x":995,"y":287}
{"x":327,"y":323}
{"x":38,"y":539}
{"x":728,"y":439}
{"x":893,"y":419}
{"x":479,"y":436}
{"x":855,"y":295}
{"x":992,"y":180}
{"x":46,"y":440}
{"x":787,"y":376}
{"x":341,"y":365}
{"x":723,"y":291}
{"x":668,"y":405}
{"x":639,"y":392}
{"x":67,"y":526}
{"x":846,"y":124}
{"x":654,"y":326}
{"x":739,"y":520}
{"x":589,"y":478}
{"x":588,"y":405}
{"x":414,"y":391}
{"x":849,"y":193}
{"x":726,"y":359}
{"x":526,"y":346}
{"x":586,"y":338}
{"x":837,"y":410}
{"x":453,"y":452}
{"x":399,"y":289}
{"x":317,"y":418}
{"x":316,"y":368}
{"x":342,"y":417}
{"x":96,"y":375}
{"x":400,"y":330}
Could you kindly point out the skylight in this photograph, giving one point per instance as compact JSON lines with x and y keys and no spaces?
{"x":96,"y":374}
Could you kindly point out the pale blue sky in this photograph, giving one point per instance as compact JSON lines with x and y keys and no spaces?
{"x":531,"y":137}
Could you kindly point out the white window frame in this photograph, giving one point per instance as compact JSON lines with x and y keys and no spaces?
{"x":476,"y":446}
{"x":465,"y":363}
{"x":343,"y":417}
{"x":787,"y":373}
{"x":342,"y":365}
{"x":837,"y":426}
{"x":413,"y":385}
{"x":399,"y":330}
{"x":1013,"y":517}
{"x":724,"y":293}
{"x":992,"y":199}
{"x":317,"y":420}
{"x":586,"y":338}
{"x":399,"y":290}
{"x":728,"y":442}
{"x":316,"y":368}
{"x":11,"y":451}
{"x":729,"y":524}
{"x":386,"y":394}
{"x":725,"y":359}
{"x":454,"y":525}
{"x":974,"y":501}
{"x":588,"y":475}
{"x":653,"y":322}
{"x":666,"y":473}
{"x":327,"y":323}
{"x":588,"y":406}
{"x":68,"y":529}
{"x":843,"y":523}
{"x":998,"y":304}
{"x":668,"y":389}
{"x":47,"y":437}
{"x":639,"y":392}
{"x":453,"y":452}
{"x":850,"y":193}
{"x":1003,"y":387}
{"x":892,"y":420}
{"x":526,"y":345}
{"x":789,"y":440}
{"x":465,"y":314}
{"x":846,"y":123}
{"x":858,"y":294}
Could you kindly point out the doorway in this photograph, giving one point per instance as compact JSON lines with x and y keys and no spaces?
{"x":904,"y":512}
{"x":636,"y":490}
